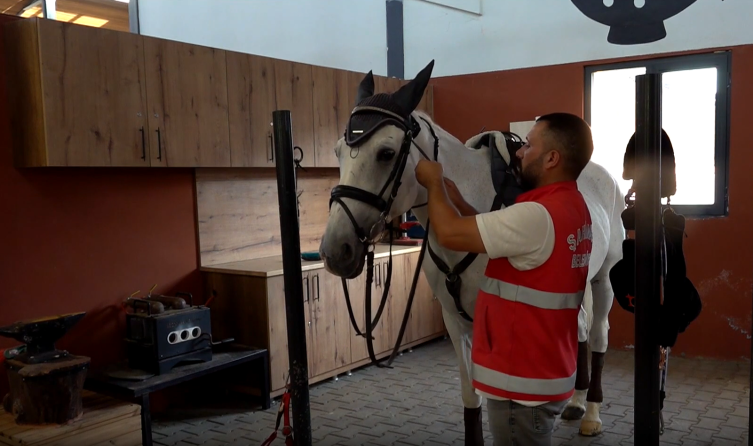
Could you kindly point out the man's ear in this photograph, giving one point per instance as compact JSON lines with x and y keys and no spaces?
{"x":552,"y":159}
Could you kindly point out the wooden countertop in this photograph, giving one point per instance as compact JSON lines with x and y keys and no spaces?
{"x":272,"y":266}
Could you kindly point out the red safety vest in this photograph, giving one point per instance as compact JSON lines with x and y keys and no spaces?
{"x":525,"y":329}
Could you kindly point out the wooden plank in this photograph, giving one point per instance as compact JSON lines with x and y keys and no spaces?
{"x":295,"y":92}
{"x":25,"y":95}
{"x":238,"y":212}
{"x":327,"y":115}
{"x":103,"y":419}
{"x":252,"y":99}
{"x":187,"y":95}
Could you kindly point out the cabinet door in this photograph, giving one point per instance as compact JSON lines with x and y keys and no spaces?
{"x":94,"y":95}
{"x":331,"y":326}
{"x":426,"y":313}
{"x":330,"y":109}
{"x":188,"y":111}
{"x":382,"y":331}
{"x":252,"y":100}
{"x":279,"y":359}
{"x":402,"y":275}
{"x":294,"y":90}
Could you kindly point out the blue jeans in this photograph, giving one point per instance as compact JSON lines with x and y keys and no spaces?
{"x":513,"y":424}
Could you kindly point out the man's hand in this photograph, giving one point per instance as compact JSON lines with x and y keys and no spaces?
{"x":428,"y":172}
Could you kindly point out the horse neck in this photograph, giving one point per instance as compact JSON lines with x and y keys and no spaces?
{"x":469,"y":169}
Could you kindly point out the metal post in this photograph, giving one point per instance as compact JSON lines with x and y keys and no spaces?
{"x":291,"y":265}
{"x":648,"y":264}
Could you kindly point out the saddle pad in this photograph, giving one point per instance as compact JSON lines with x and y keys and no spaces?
{"x":492,"y":139}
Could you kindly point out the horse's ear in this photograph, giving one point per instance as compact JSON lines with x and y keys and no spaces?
{"x":365,"y":88}
{"x":410,"y":94}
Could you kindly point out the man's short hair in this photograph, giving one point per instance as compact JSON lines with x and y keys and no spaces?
{"x":572,"y":137}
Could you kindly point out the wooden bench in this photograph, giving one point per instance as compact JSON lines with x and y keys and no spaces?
{"x":105,"y":421}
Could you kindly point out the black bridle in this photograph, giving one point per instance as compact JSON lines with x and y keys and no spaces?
{"x":453,"y":279}
{"x":411,"y":129}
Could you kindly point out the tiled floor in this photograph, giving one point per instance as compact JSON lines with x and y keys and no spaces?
{"x":418,"y":403}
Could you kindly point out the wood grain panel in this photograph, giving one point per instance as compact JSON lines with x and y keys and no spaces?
{"x":24,"y":87}
{"x":238,"y":212}
{"x":252,"y":99}
{"x":327,"y":114}
{"x":95,"y":96}
{"x":294,"y":86}
{"x":187,"y":94}
{"x":330,"y":323}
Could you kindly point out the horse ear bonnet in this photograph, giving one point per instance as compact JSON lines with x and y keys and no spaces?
{"x":372,"y":111}
{"x":681,"y":302}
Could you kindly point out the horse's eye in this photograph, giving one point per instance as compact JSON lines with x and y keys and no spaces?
{"x":385,"y":155}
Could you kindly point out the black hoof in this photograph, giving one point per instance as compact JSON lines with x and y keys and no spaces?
{"x":573,"y":413}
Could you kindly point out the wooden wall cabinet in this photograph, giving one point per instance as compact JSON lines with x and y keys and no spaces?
{"x":77,"y":95}
{"x":251,"y":309}
{"x":188,"y":110}
{"x":84,"y":96}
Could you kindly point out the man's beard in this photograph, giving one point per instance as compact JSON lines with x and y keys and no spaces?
{"x":528,"y":177}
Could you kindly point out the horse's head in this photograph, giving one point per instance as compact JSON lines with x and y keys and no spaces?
{"x":374,"y":153}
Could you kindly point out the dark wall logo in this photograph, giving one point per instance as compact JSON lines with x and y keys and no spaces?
{"x":630,"y":24}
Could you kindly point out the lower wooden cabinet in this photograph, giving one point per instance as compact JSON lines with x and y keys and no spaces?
{"x":251,"y":309}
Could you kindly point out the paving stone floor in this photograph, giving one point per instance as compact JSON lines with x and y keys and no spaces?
{"x":418,"y":403}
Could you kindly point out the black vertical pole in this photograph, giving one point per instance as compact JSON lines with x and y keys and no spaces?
{"x":291,"y":266}
{"x":648,"y":126}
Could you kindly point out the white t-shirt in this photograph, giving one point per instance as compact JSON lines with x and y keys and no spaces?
{"x":524,"y":233}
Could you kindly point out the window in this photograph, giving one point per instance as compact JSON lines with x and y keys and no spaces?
{"x":695,"y":115}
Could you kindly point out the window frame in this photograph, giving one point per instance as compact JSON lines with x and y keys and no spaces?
{"x":722,"y":61}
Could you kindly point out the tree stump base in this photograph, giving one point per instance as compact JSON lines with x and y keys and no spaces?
{"x":46,"y":393}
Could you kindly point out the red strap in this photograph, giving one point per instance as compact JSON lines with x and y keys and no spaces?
{"x":287,"y":431}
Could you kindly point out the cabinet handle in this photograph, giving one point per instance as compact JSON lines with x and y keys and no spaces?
{"x":159,"y":145}
{"x":143,"y":143}
{"x":378,"y":272}
{"x":271,"y":147}
{"x":306,"y":279}
{"x":317,"y":286}
{"x":385,"y":270}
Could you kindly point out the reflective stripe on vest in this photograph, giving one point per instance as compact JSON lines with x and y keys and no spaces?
{"x":539,"y":299}
{"x":530,"y":386}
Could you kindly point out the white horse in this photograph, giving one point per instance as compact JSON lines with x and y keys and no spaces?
{"x":367,"y":167}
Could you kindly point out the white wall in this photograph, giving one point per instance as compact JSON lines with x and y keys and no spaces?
{"x":343,"y":34}
{"x":525,"y":33}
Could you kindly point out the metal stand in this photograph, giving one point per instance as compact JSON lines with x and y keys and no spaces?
{"x":291,"y":265}
{"x":648,"y":265}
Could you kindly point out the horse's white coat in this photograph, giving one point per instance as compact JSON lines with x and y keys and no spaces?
{"x":470,"y":170}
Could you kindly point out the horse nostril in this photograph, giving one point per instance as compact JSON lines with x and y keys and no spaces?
{"x":347,"y":252}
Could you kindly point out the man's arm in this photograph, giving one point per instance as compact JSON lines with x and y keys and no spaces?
{"x":466,"y":210}
{"x":453,"y":231}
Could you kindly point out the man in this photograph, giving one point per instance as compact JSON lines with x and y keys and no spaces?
{"x":525,"y":329}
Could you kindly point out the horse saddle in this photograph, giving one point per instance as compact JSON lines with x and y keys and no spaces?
{"x":505,"y":166}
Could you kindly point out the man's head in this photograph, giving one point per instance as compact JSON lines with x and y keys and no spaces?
{"x":557,"y":148}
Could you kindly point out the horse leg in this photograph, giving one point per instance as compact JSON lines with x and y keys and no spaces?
{"x":598,"y":340}
{"x":576,"y":407}
{"x":461,"y":335}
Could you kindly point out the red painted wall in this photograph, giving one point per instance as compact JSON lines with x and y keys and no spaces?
{"x":76,"y":239}
{"x":719,"y":251}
